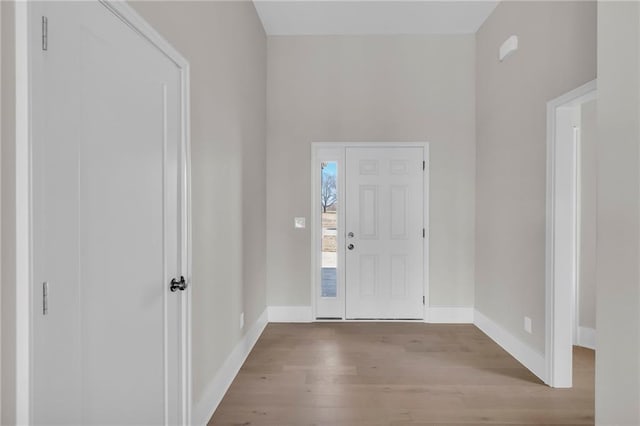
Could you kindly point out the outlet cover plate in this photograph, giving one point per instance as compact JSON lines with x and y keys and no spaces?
{"x":527,"y":325}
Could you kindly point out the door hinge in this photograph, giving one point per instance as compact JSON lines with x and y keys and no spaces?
{"x":423,"y":301}
{"x":45,"y":298}
{"x":424,"y":233}
{"x":45,"y":33}
{"x":424,"y":165}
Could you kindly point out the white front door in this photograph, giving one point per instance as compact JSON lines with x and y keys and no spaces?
{"x":106,"y":168}
{"x":384,"y":233}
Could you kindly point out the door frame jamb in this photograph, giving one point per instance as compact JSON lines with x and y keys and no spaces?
{"x":560,"y":282}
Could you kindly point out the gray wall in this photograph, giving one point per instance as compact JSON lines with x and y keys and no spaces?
{"x":371,"y":88}
{"x":618,"y":277}
{"x":226,"y":47}
{"x":557,"y":53}
{"x":588,"y":214}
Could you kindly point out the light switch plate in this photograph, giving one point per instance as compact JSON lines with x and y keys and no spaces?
{"x":299,"y":223}
{"x":527,"y":325}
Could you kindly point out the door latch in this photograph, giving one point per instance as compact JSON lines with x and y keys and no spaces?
{"x":178,"y":285}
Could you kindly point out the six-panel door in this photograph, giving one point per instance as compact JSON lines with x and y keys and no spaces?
{"x":384,"y":228}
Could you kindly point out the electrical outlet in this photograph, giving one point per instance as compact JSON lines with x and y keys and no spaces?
{"x":527,"y":325}
{"x":241,"y":321}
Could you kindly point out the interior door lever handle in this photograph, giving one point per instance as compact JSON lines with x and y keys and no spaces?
{"x":351,"y":246}
{"x":178,"y":285}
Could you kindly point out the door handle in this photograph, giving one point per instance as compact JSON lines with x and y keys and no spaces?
{"x":351,"y":246}
{"x":178,"y":285}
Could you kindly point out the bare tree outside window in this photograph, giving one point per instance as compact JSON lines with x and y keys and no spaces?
{"x":329,"y":200}
{"x":328,"y":193}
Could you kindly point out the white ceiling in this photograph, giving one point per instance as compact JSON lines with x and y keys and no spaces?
{"x":321,"y":17}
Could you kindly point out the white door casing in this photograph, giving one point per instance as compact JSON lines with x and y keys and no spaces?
{"x":561,"y":233}
{"x":384,"y":233}
{"x":109,"y":208}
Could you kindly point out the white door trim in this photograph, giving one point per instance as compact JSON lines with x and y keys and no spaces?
{"x":560,"y":283}
{"x":23,"y":216}
{"x":315,"y":208}
{"x":23,"y":187}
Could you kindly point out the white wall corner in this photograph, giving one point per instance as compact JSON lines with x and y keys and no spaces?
{"x":290,"y":314}
{"x":216,"y":389}
{"x":527,"y":356}
{"x":449,"y":315}
{"x":587,"y":337}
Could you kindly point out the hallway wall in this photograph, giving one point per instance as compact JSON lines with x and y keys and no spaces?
{"x":557,"y":53}
{"x":618,"y":252}
{"x":371,"y":88}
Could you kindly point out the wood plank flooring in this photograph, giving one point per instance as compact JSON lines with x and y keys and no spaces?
{"x":396,"y":374}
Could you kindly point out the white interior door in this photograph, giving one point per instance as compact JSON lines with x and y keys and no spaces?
{"x":106,"y":221}
{"x":384,"y":226}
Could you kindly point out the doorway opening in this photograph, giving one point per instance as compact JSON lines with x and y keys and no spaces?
{"x":570,"y":233}
{"x":369,"y":231}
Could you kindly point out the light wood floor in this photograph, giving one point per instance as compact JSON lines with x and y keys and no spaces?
{"x":396,"y":374}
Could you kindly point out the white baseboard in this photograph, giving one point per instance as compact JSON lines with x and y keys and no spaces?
{"x":449,"y":315}
{"x":529,"y":357}
{"x":587,"y":337}
{"x":290,"y":313}
{"x":204,"y":409}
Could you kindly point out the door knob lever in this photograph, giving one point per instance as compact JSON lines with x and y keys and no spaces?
{"x":351,"y":246}
{"x":178,"y":285}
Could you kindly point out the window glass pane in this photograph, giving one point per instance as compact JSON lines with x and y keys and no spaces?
{"x":329,"y":205}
